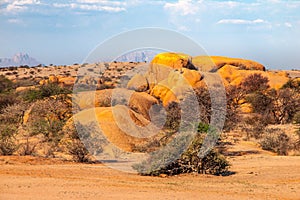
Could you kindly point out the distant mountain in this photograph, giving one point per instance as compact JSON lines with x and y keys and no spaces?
{"x":18,"y":59}
{"x":138,"y":56}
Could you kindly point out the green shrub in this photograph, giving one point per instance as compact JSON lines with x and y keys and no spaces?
{"x":8,"y":144}
{"x":5,"y":84}
{"x":52,"y":89}
{"x":177,"y":157}
{"x":48,"y":90}
{"x":32,"y":95}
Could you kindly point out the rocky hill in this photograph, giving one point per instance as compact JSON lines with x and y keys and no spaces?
{"x":18,"y":60}
{"x":138,"y":56}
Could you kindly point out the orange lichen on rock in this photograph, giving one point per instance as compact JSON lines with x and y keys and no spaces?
{"x":234,"y":76}
{"x":213,"y":63}
{"x":241,"y":64}
{"x":172,"y":60}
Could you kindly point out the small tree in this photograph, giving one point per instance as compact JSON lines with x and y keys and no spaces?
{"x":8,"y":143}
{"x":181,"y":155}
{"x":48,"y":117}
{"x":255,"y":83}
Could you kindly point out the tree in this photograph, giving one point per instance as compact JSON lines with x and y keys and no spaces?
{"x":255,"y":83}
{"x":8,"y":144}
{"x":285,"y":104}
{"x":48,"y":117}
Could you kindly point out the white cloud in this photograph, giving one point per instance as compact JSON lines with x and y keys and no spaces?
{"x":287,"y":24}
{"x":94,"y":5}
{"x":103,"y":2}
{"x":14,"y":6}
{"x":242,"y":21}
{"x":226,"y":4}
{"x":183,"y":7}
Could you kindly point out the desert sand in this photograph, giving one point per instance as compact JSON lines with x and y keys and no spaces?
{"x":257,"y":175}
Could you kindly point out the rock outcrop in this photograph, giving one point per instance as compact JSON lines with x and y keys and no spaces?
{"x":169,"y":76}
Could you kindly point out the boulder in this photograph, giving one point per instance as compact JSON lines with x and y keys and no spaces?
{"x":121,"y":126}
{"x":213,"y":63}
{"x":140,"y":102}
{"x":174,"y":87}
{"x":67,"y":81}
{"x":22,"y":89}
{"x":234,"y":76}
{"x":138,"y":83}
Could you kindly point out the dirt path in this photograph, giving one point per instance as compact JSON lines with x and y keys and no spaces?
{"x":259,"y":175}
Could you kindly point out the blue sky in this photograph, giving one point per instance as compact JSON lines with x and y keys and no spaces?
{"x":64,"y":32}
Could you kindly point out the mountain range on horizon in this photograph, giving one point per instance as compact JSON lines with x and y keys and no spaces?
{"x":138,"y":56}
{"x":18,"y":60}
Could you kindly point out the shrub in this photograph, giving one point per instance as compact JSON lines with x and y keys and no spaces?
{"x":53,"y":89}
{"x":7,"y":139}
{"x":296,"y":121}
{"x":292,"y":84}
{"x":173,"y":116}
{"x":13,"y":114}
{"x":31,"y":95}
{"x":48,"y":117}
{"x":48,"y":90}
{"x":7,"y":99}
{"x":78,"y":151}
{"x":28,"y":148}
{"x":82,"y":141}
{"x":177,"y":158}
{"x":255,"y":83}
{"x":254,"y":126}
{"x":276,"y":141}
{"x":5,"y":84}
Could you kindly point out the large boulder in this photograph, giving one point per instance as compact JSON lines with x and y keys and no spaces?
{"x":140,"y":102}
{"x":213,"y":63}
{"x":138,"y":83}
{"x":120,"y":125}
{"x":176,"y":85}
{"x":169,"y":76}
{"x":234,"y":76}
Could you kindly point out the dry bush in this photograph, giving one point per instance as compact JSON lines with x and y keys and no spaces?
{"x":276,"y":141}
{"x":28,"y":148}
{"x":255,"y":83}
{"x":8,"y":143}
{"x":5,"y":84}
{"x":296,"y":121}
{"x":173,"y":116}
{"x":83,"y":141}
{"x":48,"y":117}
{"x":177,"y":158}
{"x":13,"y":114}
{"x":254,"y":126}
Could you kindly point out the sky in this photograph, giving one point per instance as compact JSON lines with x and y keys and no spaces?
{"x":66,"y":31}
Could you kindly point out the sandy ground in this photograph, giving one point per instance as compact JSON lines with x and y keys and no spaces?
{"x":258,"y":175}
